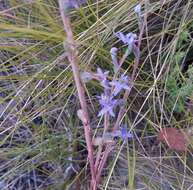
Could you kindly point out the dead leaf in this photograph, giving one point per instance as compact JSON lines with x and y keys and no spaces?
{"x":175,"y":139}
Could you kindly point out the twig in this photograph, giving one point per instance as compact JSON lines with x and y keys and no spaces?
{"x":73,"y":59}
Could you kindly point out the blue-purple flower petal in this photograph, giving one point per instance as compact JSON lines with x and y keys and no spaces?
{"x":71,"y":4}
{"x":137,"y":9}
{"x":127,"y":39}
{"x":107,"y":105}
{"x":122,"y":133}
{"x":121,"y":37}
{"x":103,"y":78}
{"x":120,"y":84}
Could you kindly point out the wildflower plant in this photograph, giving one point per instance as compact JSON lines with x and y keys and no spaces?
{"x":116,"y":89}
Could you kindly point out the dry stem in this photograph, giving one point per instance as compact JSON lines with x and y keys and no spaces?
{"x":73,"y":59}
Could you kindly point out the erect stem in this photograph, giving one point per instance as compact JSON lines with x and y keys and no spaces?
{"x":73,"y":59}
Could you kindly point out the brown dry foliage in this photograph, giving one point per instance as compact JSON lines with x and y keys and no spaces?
{"x":175,"y":139}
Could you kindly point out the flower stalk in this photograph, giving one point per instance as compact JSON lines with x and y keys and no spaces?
{"x":129,"y":39}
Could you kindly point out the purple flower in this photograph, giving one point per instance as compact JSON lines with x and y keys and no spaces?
{"x":137,"y":9}
{"x":121,"y":37}
{"x":128,"y":39}
{"x":121,"y":83}
{"x":108,"y":104}
{"x":113,"y":53}
{"x":122,"y":133}
{"x":131,"y":37}
{"x":102,"y":76}
{"x":70,"y":4}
